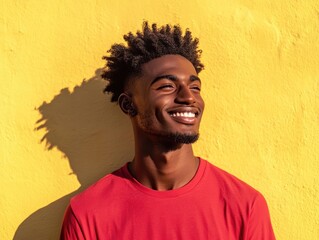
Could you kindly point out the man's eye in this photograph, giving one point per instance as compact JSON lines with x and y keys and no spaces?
{"x":166,"y":86}
{"x":196,"y":88}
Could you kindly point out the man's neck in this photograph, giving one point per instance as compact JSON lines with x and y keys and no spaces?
{"x":163,"y":170}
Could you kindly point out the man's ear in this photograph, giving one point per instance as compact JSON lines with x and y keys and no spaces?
{"x":127,"y":105}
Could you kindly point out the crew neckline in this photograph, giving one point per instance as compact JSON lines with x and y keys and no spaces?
{"x":167,"y":193}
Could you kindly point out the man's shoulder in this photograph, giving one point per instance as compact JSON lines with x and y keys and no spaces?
{"x":102,"y":189}
{"x":230,"y":185}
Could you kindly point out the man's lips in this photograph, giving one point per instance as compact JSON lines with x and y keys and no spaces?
{"x":184,"y":115}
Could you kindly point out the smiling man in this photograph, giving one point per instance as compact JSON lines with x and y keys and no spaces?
{"x":165,"y":192}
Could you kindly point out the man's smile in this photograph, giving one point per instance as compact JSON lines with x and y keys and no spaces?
{"x":183,"y":114}
{"x":186,"y":115}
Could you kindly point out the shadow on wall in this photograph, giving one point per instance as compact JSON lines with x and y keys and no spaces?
{"x":94,"y":135}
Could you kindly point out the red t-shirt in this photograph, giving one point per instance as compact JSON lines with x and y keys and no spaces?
{"x":213,"y":205}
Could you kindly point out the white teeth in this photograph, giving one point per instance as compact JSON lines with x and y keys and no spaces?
{"x":183,"y":114}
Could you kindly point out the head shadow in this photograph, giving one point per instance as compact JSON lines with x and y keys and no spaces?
{"x":94,"y":136}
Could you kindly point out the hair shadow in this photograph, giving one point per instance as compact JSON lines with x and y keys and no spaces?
{"x":95,"y":137}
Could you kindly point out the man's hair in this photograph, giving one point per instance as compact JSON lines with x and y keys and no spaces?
{"x":152,"y":42}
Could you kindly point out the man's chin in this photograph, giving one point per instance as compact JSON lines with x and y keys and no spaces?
{"x":183,"y":138}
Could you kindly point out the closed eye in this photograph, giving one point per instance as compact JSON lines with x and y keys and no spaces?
{"x":195,"y":88}
{"x":165,"y":86}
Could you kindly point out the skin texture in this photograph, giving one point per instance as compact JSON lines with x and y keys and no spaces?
{"x":166,"y":87}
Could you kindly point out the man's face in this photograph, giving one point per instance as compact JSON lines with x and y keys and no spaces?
{"x":167,"y":98}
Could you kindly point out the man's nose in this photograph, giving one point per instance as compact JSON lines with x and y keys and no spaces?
{"x":185,"y":95}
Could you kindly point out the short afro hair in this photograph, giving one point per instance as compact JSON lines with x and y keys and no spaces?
{"x":152,"y":42}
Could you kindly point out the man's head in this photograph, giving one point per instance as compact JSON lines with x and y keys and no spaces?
{"x":154,"y":79}
{"x":124,"y":62}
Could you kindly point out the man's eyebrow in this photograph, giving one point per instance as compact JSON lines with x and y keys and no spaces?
{"x":174,"y":78}
{"x":194,"y":78}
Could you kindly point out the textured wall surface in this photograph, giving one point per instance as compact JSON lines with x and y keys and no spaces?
{"x":59,"y":133}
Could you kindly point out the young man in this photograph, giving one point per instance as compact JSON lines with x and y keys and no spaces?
{"x":165,"y":192}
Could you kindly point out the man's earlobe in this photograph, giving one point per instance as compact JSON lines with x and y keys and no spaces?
{"x":127,"y":105}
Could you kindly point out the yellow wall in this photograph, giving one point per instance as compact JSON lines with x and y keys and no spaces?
{"x":59,"y":133}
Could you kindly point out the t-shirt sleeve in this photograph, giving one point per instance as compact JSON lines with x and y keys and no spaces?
{"x":70,"y":227}
{"x":259,"y":224}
